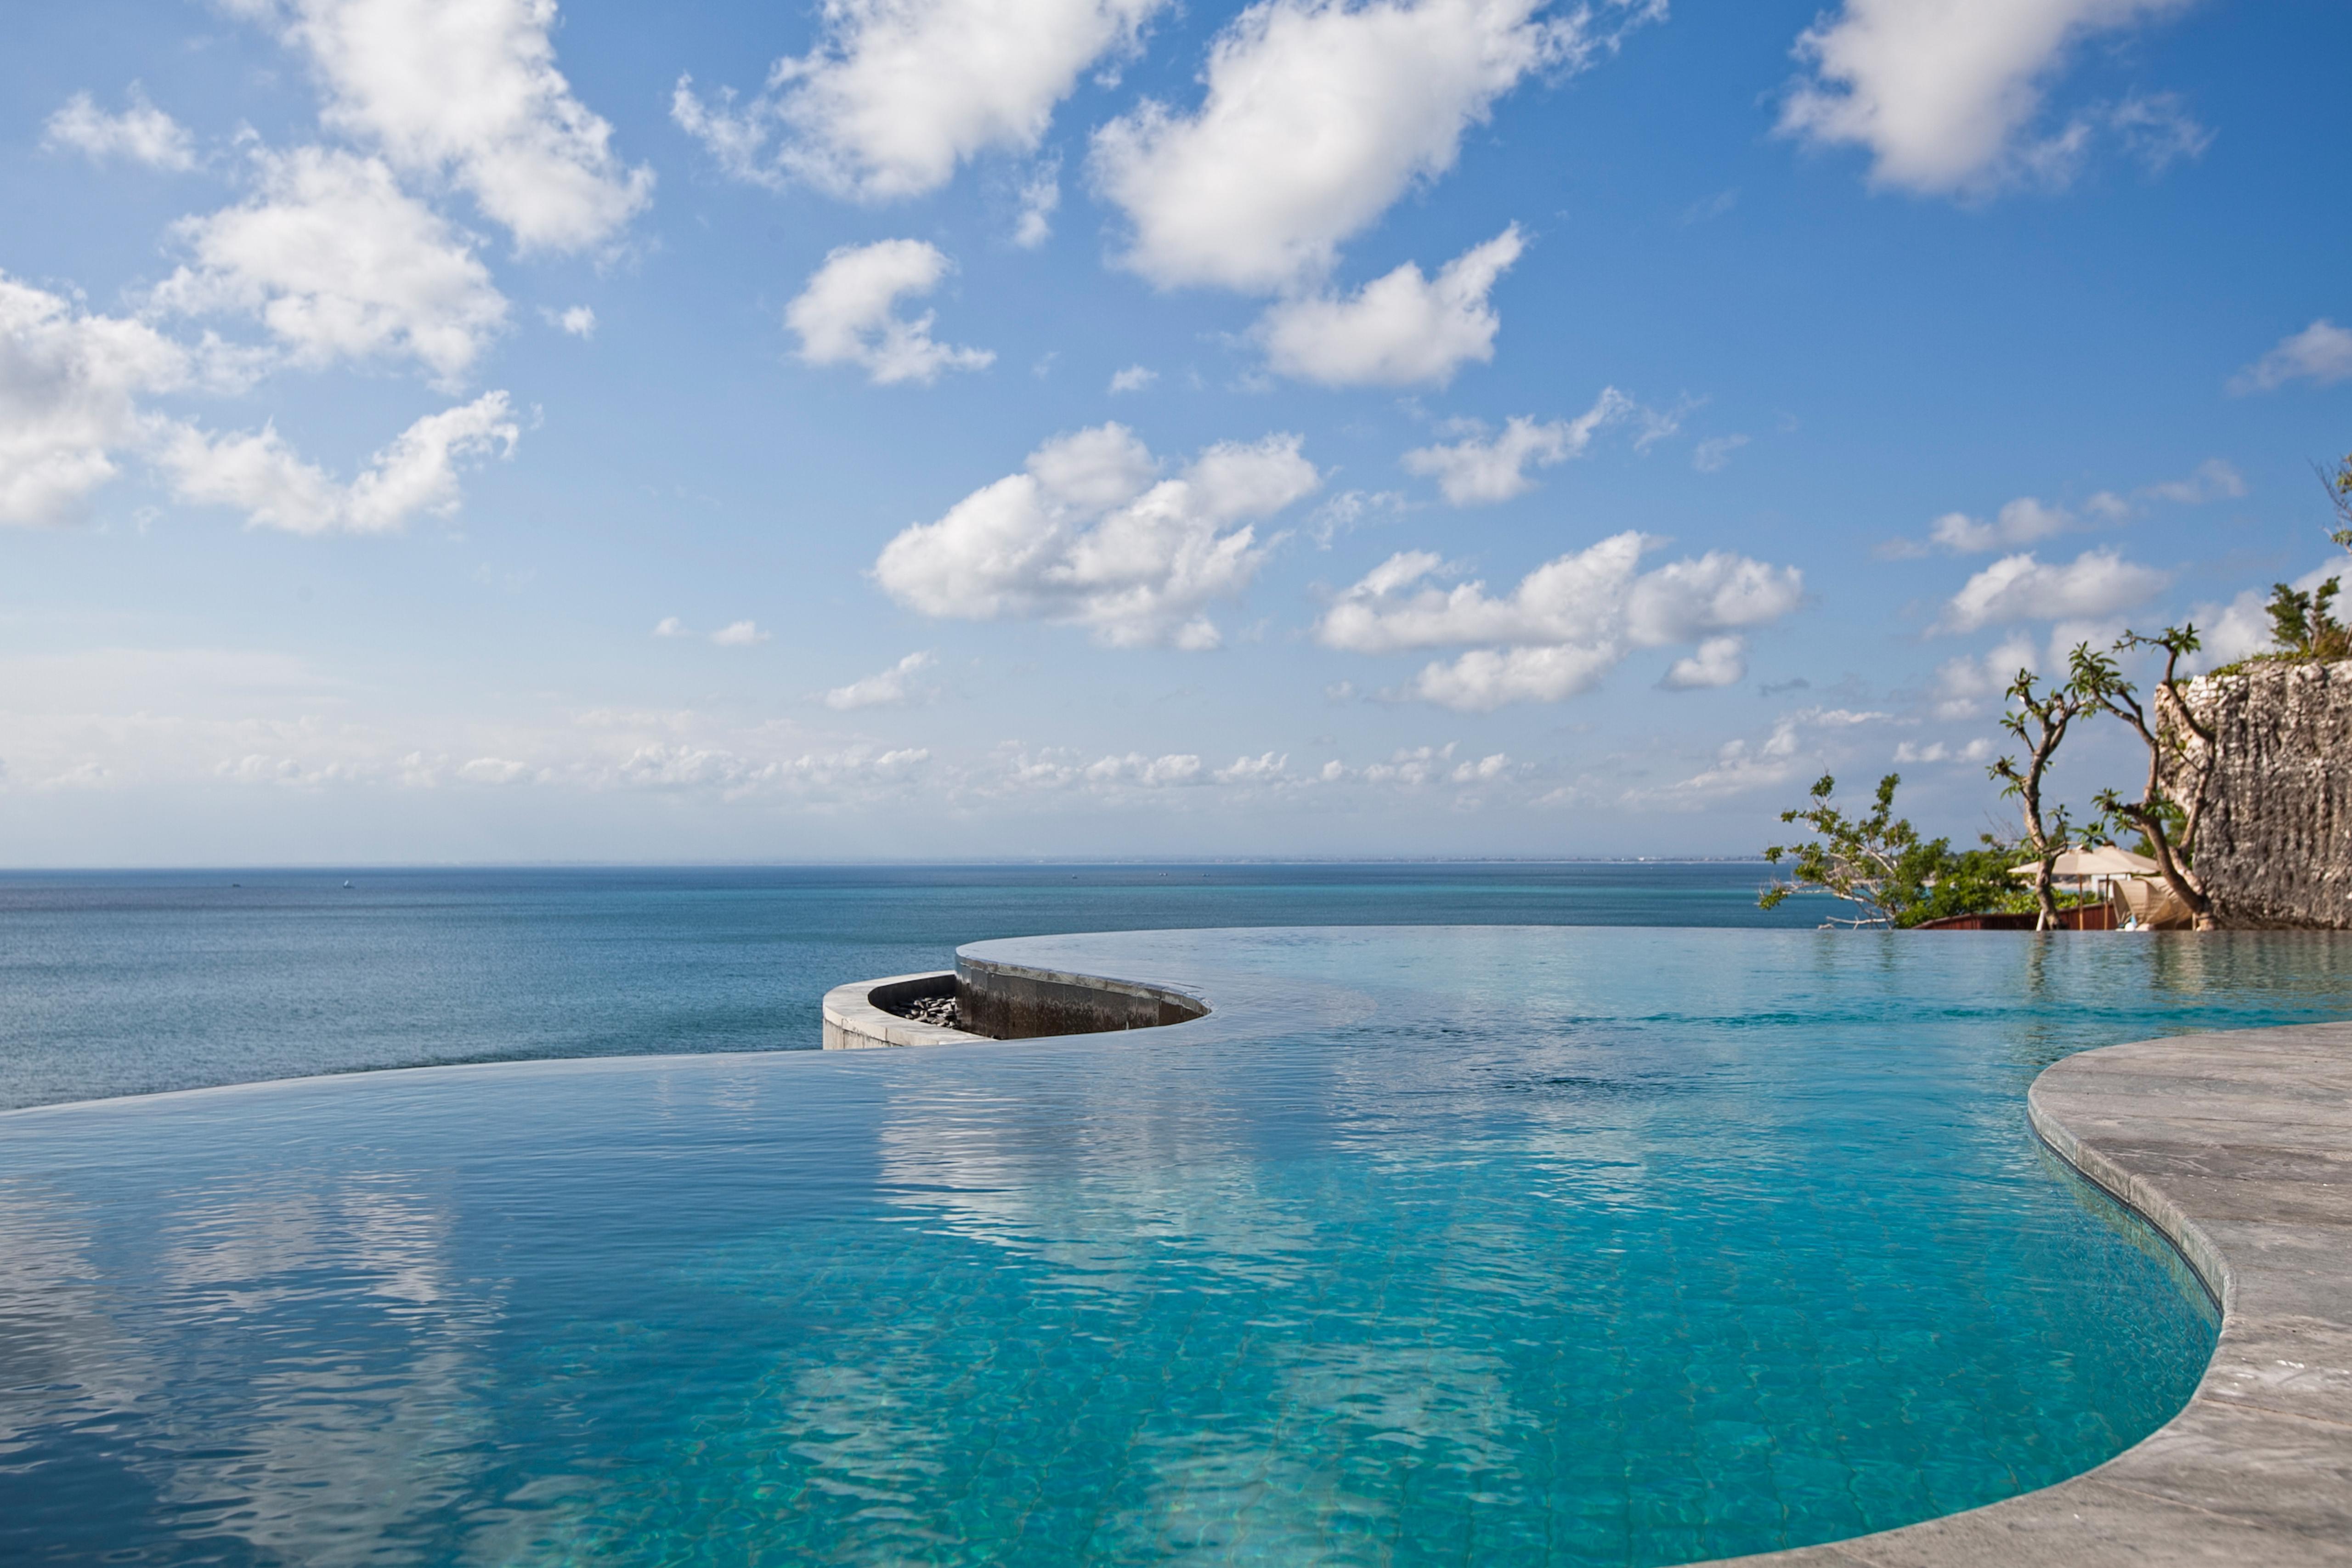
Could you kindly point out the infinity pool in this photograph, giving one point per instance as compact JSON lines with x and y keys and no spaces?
{"x":1474,"y":1245}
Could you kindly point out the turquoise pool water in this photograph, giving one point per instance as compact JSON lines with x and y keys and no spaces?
{"x":1491,"y":1246}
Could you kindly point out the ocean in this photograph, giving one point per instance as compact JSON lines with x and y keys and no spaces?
{"x":136,"y":982}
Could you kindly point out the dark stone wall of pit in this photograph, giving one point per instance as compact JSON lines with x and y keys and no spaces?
{"x":2275,"y":848}
{"x":890,"y":998}
{"x":1012,"y":1004}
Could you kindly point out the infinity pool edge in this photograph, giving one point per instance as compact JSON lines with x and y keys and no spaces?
{"x":2237,"y":1147}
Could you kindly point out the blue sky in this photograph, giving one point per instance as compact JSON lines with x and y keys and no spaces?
{"x":468,"y":429}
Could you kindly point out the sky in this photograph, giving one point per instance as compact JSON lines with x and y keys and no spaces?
{"x":493,"y":431}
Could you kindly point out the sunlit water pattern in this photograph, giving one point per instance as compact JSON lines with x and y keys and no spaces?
{"x":1474,"y":1245}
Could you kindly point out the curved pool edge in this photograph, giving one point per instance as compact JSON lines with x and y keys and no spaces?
{"x":1008,"y":1000}
{"x":2238,"y":1148}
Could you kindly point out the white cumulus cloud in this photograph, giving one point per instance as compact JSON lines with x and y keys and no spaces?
{"x":1741,"y":765}
{"x":848,"y":313}
{"x":2020,"y":521}
{"x":1944,"y":93}
{"x":1480,"y":470}
{"x":2020,"y":588}
{"x":1964,"y":685}
{"x":259,"y":475}
{"x":740,"y":634}
{"x":1134,"y":378}
{"x":69,"y":389}
{"x":1088,"y":535}
{"x":1318,"y":114}
{"x":468,"y":90}
{"x":1396,"y":331}
{"x":1565,"y":626}
{"x":1717,"y":661}
{"x":899,"y":92}
{"x":2321,"y":353}
{"x":889,"y":687}
{"x":338,"y":262}
{"x":142,"y":133}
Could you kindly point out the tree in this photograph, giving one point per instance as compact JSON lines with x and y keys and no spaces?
{"x":2304,"y":625}
{"x":2040,"y":721}
{"x":1876,"y":861}
{"x":2180,"y":758}
{"x":2340,"y":496}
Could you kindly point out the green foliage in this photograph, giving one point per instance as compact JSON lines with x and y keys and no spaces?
{"x":1878,"y":862}
{"x":2179,"y":759}
{"x":2039,"y":720}
{"x":1976,"y":882}
{"x":2340,"y":496}
{"x":2302,"y":625}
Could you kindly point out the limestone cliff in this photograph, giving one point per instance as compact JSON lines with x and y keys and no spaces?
{"x":2275,"y":847}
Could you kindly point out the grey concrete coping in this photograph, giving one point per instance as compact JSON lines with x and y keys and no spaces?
{"x":1024,"y":1001}
{"x":852,"y":1023}
{"x":2238,"y":1147}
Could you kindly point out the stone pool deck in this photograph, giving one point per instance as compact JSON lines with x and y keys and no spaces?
{"x":2239,"y":1147}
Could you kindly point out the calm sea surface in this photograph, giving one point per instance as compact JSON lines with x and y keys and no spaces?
{"x":133,"y":982}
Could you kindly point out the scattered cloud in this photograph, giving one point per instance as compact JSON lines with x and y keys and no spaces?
{"x":2020,"y":521}
{"x":1317,"y":117}
{"x":888,"y":689}
{"x":740,"y":634}
{"x":142,"y":134}
{"x":338,"y":262}
{"x":2020,"y":588}
{"x":579,"y":321}
{"x":1343,"y":511}
{"x":1087,"y":535}
{"x":467,"y":89}
{"x":2321,"y":354}
{"x":899,"y":92}
{"x":2213,"y":480}
{"x":1964,"y":686}
{"x":1708,"y":208}
{"x":72,"y":383}
{"x":1480,"y":470}
{"x":1564,"y":626}
{"x":260,"y":476}
{"x":847,"y":314}
{"x":1041,"y":195}
{"x":1134,"y":378}
{"x":1741,"y":765}
{"x":2158,"y":130}
{"x":2029,"y":519}
{"x":494,"y":770}
{"x":1979,"y":750}
{"x":1263,"y":768}
{"x":1713,"y":455}
{"x":1398,"y":330}
{"x":670,"y":626}
{"x":1944,"y":96}
{"x":1717,"y":661}
{"x":1151,"y":772}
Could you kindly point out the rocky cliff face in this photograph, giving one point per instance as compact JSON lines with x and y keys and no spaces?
{"x":2275,"y":848}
